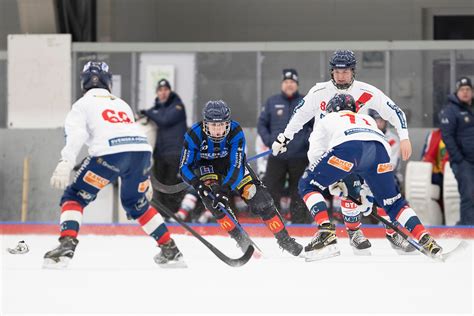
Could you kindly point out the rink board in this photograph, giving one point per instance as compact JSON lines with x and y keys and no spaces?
{"x":255,"y":230}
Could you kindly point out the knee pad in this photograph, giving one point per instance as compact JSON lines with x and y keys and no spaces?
{"x":81,"y":196}
{"x":306,"y":185}
{"x":261,"y":202}
{"x":136,"y":208}
{"x":394,"y":205}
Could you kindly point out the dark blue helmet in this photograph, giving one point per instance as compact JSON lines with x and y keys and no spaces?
{"x":343,"y":59}
{"x":341,"y":102}
{"x":95,"y":74}
{"x":216,"y":112}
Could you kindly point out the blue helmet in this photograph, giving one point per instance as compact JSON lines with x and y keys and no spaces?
{"x":343,"y":59}
{"x":341,"y":102}
{"x":216,"y":112}
{"x":95,"y":74}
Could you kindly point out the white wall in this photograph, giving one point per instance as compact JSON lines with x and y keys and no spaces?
{"x":39,"y":80}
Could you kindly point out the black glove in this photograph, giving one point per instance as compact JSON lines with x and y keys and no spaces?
{"x":143,"y":112}
{"x":203,"y":190}
{"x":219,"y":196}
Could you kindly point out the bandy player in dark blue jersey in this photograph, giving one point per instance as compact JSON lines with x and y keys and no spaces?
{"x":213,"y":161}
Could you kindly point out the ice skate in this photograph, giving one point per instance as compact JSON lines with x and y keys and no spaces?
{"x":170,"y":256}
{"x":430,"y":245}
{"x":401,"y":246}
{"x":289,"y":244}
{"x":243,"y":241}
{"x":59,"y":257}
{"x":323,"y":245}
{"x":360,"y":244}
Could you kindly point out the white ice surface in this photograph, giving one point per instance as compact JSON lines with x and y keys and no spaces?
{"x":117,"y":274}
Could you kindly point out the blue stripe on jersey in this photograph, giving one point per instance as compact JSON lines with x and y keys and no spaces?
{"x":236,"y":171}
{"x":362,"y":130}
{"x":400,"y":114}
{"x":190,"y":153}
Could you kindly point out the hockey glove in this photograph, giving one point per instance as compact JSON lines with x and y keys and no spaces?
{"x":203,"y":190}
{"x":279,"y":146}
{"x":338,"y":189}
{"x":60,"y":178}
{"x":367,"y":199}
{"x":219,"y":197}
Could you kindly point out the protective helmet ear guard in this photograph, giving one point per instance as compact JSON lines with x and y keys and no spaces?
{"x":343,"y":59}
{"x":96,"y":74}
{"x":216,"y":112}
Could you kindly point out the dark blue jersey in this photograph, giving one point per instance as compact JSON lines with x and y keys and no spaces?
{"x":199,"y":148}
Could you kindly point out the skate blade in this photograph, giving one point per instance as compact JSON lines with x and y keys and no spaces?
{"x":401,"y":252}
{"x":174,"y":264}
{"x":56,"y":265}
{"x":361,"y":252}
{"x":327,"y":252}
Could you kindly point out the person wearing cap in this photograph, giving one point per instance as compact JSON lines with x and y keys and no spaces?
{"x":457,"y":130}
{"x":169,"y":115}
{"x":275,"y":115}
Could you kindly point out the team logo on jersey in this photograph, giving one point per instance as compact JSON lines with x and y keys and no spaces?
{"x":280,"y":112}
{"x":392,"y":200}
{"x":95,"y":180}
{"x":348,"y":204}
{"x":244,"y":181}
{"x":105,"y":164}
{"x":316,"y":183}
{"x":340,"y":163}
{"x":143,"y":186}
{"x":300,"y":104}
{"x":85,"y":195}
{"x":384,"y":167}
{"x":206,"y":169}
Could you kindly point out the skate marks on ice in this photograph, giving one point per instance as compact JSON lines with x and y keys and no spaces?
{"x":117,"y":274}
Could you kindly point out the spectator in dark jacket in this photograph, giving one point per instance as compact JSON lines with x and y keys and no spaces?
{"x":272,"y":121}
{"x":457,"y":129}
{"x":170,"y":117}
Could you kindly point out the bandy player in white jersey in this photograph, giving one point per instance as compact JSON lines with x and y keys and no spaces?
{"x":117,"y":149}
{"x":342,"y":67}
{"x":346,"y":142}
